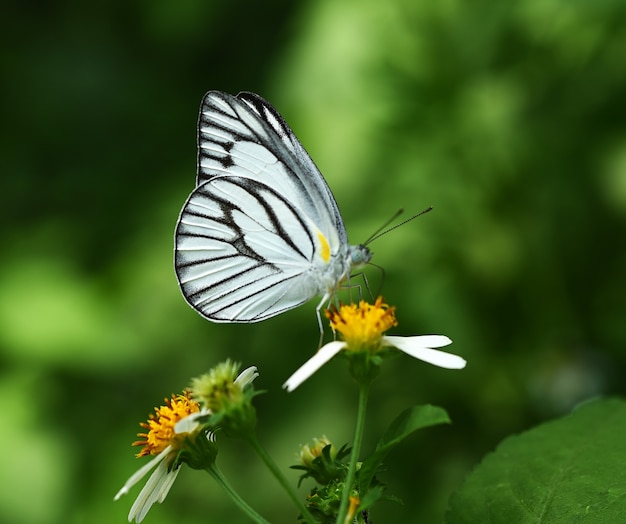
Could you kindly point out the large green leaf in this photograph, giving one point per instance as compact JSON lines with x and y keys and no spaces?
{"x":571,"y":470}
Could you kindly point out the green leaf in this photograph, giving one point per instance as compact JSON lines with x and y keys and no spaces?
{"x":566,"y":471}
{"x":372,"y":496}
{"x":407,"y":422}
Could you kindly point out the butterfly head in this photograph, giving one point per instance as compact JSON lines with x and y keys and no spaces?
{"x":359,"y":256}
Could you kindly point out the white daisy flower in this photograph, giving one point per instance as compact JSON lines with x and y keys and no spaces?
{"x":165,"y":442}
{"x":361,"y":327}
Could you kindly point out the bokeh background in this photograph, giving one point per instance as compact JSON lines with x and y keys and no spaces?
{"x":508,"y":117}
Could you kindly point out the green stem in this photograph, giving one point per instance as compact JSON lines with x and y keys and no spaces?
{"x":219,"y":477}
{"x":282,"y":480}
{"x":356,"y":450}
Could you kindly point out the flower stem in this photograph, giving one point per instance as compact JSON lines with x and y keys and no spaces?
{"x":219,"y":477}
{"x":282,"y":480}
{"x":356,"y":449}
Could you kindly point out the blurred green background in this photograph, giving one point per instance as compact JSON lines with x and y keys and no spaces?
{"x":508,"y":117}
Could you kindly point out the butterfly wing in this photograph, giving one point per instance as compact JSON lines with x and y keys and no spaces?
{"x":245,"y":136}
{"x":319,"y":194}
{"x":262,"y":225}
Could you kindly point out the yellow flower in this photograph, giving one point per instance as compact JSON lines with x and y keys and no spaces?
{"x":362,"y":328}
{"x":161,"y":432}
{"x":166,"y":441}
{"x":178,"y":432}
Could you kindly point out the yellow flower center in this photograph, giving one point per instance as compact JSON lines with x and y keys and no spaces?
{"x":160,"y":426}
{"x":362,"y":326}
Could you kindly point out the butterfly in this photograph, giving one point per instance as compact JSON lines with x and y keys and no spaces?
{"x":261,"y":232}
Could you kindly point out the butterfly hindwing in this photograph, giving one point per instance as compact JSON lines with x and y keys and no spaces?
{"x":241,"y":252}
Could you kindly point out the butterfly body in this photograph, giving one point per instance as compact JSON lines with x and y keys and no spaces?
{"x":261,"y":233}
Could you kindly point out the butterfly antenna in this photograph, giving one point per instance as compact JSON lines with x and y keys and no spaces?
{"x":382,"y":231}
{"x":375,"y":234}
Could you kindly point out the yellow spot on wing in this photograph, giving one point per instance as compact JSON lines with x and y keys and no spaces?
{"x":325,"y":252}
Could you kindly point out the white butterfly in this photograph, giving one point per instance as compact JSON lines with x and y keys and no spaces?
{"x":261,"y":233}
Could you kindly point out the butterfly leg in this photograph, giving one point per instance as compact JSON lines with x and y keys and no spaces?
{"x":318,"y":311}
{"x":366,"y":284}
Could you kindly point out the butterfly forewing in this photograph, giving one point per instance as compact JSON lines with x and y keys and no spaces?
{"x":245,"y":135}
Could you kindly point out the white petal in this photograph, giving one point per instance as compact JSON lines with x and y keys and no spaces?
{"x":427,"y":341}
{"x":155,"y":490}
{"x":190,"y":423}
{"x":323,"y":355}
{"x":420,"y":347}
{"x":165,"y":486}
{"x":247,"y":376}
{"x":141,"y":472}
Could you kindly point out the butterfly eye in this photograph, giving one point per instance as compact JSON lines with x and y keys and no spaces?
{"x":359,"y":256}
